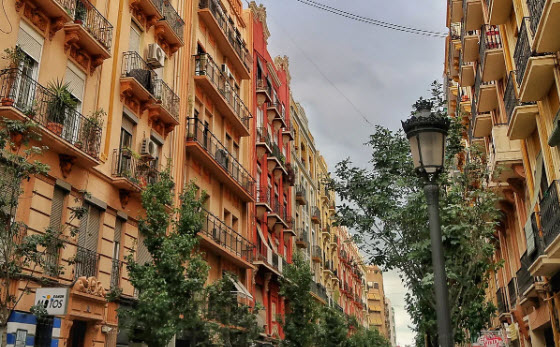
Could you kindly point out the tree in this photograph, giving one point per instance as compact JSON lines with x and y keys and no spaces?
{"x":171,"y":285}
{"x":301,"y":316}
{"x":231,"y":324}
{"x":363,"y":337}
{"x":332,"y":328}
{"x":22,"y":255}
{"x":385,"y":205}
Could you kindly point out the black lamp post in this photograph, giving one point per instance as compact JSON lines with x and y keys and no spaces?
{"x":427,"y":134}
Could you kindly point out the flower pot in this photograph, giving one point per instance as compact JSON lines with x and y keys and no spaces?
{"x":78,"y":21}
{"x":16,"y":138}
{"x":7,"y":102}
{"x":55,"y":128}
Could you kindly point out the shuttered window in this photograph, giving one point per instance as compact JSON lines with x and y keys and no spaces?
{"x":55,"y":224}
{"x":134,"y":42}
{"x":117,"y":238}
{"x":89,"y":228}
{"x":30,"y":42}
{"x":76,"y":80}
{"x":143,"y":255}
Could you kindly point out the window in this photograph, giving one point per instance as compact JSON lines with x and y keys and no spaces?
{"x":135,"y":37}
{"x":21,"y":337}
{"x":125,"y":158}
{"x":56,"y":221}
{"x":86,"y":256}
{"x":43,"y":332}
{"x":375,"y":285}
{"x":75,"y":79}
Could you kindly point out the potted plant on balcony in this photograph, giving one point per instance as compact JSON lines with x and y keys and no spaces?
{"x":18,"y":130}
{"x":91,"y":131}
{"x":58,"y":106}
{"x":14,"y":56}
{"x":80,"y":13}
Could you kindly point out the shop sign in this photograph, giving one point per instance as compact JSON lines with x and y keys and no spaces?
{"x":54,"y":300}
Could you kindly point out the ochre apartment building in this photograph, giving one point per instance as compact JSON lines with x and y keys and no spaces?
{"x":154,"y":84}
{"x":504,"y":82}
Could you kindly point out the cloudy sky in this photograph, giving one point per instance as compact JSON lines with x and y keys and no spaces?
{"x":382,"y":72}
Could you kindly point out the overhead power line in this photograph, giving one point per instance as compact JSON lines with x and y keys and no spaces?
{"x":371,"y":21}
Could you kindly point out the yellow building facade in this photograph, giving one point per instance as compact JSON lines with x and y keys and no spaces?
{"x":504,"y":81}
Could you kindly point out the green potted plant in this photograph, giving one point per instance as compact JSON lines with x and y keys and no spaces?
{"x":80,"y":13}
{"x":14,"y":56}
{"x":91,"y":130}
{"x":57,"y":107}
{"x":18,"y":130}
{"x":31,"y":110}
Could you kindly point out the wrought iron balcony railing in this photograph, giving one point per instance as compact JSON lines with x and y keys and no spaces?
{"x":550,"y":214}
{"x":85,"y":263}
{"x":512,"y":291}
{"x":316,"y":213}
{"x":455,"y":31}
{"x":510,"y":99}
{"x":94,"y":22}
{"x":227,"y":237}
{"x":300,"y":191}
{"x":172,"y":17}
{"x":524,"y":278}
{"x":263,"y":195}
{"x":205,"y":66}
{"x":478,"y":83}
{"x":522,"y":51}
{"x":279,"y":209}
{"x":199,"y":133}
{"x":302,"y":236}
{"x":40,"y":105}
{"x":490,"y":39}
{"x":317,"y":252}
{"x":501,"y":301}
{"x":167,"y":97}
{"x":140,"y":172}
{"x":536,"y":8}
{"x":134,"y":66}
{"x":231,"y":32}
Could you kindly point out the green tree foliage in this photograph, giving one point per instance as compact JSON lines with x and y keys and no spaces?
{"x":362,"y":337}
{"x":171,"y":286}
{"x":22,"y":255}
{"x":301,"y":316}
{"x":231,"y":324}
{"x":385,"y":205}
{"x":332,"y":328}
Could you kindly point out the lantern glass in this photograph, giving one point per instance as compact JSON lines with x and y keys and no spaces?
{"x":431,"y":148}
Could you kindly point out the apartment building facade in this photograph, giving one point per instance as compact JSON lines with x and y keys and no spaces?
{"x":504,"y":82}
{"x":377,"y":304}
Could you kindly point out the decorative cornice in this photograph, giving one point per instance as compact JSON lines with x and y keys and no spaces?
{"x":260,"y":14}
{"x":283,"y":63}
{"x":272,"y":72}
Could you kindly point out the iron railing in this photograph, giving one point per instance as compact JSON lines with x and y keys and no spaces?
{"x":231,"y":32}
{"x":490,"y":39}
{"x":116,"y":266}
{"x":85,"y":263}
{"x":455,"y":31}
{"x":40,"y":105}
{"x":264,"y":86}
{"x":510,"y":99}
{"x":198,"y":132}
{"x":175,"y":21}
{"x":522,"y":51}
{"x":134,"y":66}
{"x":263,"y":195}
{"x":524,"y":278}
{"x":263,"y":136}
{"x":316,"y":252}
{"x":536,"y":8}
{"x":537,"y":249}
{"x":512,"y":291}
{"x":226,"y":237}
{"x":138,"y":171}
{"x":302,"y":236}
{"x":279,"y":210}
{"x":316,"y":213}
{"x":319,"y":290}
{"x":167,"y":97}
{"x":277,"y":153}
{"x":94,"y":22}
{"x":478,"y":83}
{"x":501,"y":301}
{"x":301,"y":192}
{"x":550,"y":214}
{"x":68,"y":5}
{"x":205,"y":66}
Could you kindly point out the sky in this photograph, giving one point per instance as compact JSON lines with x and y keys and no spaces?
{"x":382,"y":72}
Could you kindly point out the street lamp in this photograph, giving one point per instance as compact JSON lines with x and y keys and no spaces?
{"x":427,"y":133}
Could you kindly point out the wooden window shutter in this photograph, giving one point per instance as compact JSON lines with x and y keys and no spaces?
{"x":57,"y":207}
{"x":143,"y":255}
{"x":89,"y":228}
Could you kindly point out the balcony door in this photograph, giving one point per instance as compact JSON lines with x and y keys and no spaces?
{"x":125,"y":155}
{"x":76,"y":81}
{"x":31,"y":43}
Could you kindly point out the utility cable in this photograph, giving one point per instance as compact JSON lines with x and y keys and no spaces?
{"x":372,"y":21}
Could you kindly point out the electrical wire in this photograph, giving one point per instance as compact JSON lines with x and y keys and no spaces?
{"x":372,"y":21}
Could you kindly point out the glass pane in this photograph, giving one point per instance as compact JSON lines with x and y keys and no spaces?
{"x":415,"y":151}
{"x":431,"y":145}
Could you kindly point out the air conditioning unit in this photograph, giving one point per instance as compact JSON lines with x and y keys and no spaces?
{"x":149,"y":149}
{"x":226,"y":70}
{"x":156,"y":55}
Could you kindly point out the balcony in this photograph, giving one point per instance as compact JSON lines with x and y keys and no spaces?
{"x":491,"y":54}
{"x":525,"y":280}
{"x":137,"y":81}
{"x":501,"y":302}
{"x":55,"y":12}
{"x":465,"y":102}
{"x":522,"y":116}
{"x":212,"y":80}
{"x":269,"y":260}
{"x":550,"y":219}
{"x":149,"y":11}
{"x":227,"y":36}
{"x":85,"y":263}
{"x":276,"y":115}
{"x":499,"y":11}
{"x":315,"y":215}
{"x":319,"y":291}
{"x":545,"y":24}
{"x":89,"y":34}
{"x":165,"y":110}
{"x":289,"y":230}
{"x":470,"y":45}
{"x":276,"y":161}
{"x":204,"y":146}
{"x":263,"y":203}
{"x":316,"y":254}
{"x":278,"y":217}
{"x":467,"y":73}
{"x":453,"y":52}
{"x":287,"y":133}
{"x":131,"y":173}
{"x":65,"y":131}
{"x":264,"y":91}
{"x":302,"y":239}
{"x":169,"y":29}
{"x":482,"y":124}
{"x":301,"y":195}
{"x":486,"y":94}
{"x":226,"y":241}
{"x":535,"y":73}
{"x":116,"y":269}
{"x":473,"y":18}
{"x":504,"y":154}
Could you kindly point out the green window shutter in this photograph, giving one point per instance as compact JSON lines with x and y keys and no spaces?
{"x":94,"y":220}
{"x":55,"y":224}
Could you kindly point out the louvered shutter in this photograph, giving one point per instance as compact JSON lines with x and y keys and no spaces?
{"x":82,"y":229}
{"x":134,"y":42}
{"x":143,"y":255}
{"x":76,"y":82}
{"x":117,"y":238}
{"x":30,"y":43}
{"x":56,"y":210}
{"x":94,"y":218}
